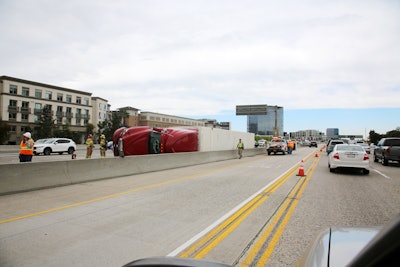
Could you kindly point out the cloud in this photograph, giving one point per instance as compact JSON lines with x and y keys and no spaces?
{"x":205,"y":57}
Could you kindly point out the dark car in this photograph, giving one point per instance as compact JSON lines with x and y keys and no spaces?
{"x":313,"y":143}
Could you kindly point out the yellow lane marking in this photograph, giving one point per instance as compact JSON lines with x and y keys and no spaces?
{"x":108,"y":196}
{"x":203,"y":246}
{"x":213,"y":238}
{"x":115,"y":195}
{"x":278,"y":224}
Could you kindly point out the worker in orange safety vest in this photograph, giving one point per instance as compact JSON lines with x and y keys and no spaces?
{"x":290,"y":146}
{"x":26,"y":148}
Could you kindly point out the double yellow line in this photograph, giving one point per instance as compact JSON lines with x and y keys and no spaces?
{"x":204,"y":245}
{"x":263,"y":248}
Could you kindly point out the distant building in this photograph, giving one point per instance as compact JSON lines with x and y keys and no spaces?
{"x":263,"y":119}
{"x":158,"y":120}
{"x":307,"y":135}
{"x":332,"y":133}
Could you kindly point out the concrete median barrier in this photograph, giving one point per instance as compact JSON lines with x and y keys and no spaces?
{"x":38,"y":175}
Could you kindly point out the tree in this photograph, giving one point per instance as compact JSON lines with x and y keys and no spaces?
{"x":45,"y":124}
{"x":4,"y":129}
{"x":393,"y":133}
{"x":108,"y":127}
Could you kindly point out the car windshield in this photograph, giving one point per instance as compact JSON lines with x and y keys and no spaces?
{"x":349,"y":148}
{"x":48,"y":141}
{"x":40,"y":141}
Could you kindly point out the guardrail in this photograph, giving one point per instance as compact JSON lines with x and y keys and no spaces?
{"x":38,"y":175}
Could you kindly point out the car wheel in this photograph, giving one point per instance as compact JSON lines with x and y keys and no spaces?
{"x":47,"y":151}
{"x":269,"y":153}
{"x":385,"y":161}
{"x":375,"y":158}
{"x":365,"y":171}
{"x":71,"y":150}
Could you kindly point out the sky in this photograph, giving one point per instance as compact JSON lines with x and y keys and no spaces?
{"x":330,"y":64}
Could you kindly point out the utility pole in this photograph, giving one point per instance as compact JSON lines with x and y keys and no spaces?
{"x":276,"y":121}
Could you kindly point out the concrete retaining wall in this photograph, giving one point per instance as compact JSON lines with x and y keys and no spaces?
{"x":37,"y":175}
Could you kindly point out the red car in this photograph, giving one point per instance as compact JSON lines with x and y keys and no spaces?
{"x":142,"y":140}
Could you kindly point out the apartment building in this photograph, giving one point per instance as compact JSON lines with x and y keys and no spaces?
{"x":22,"y":101}
{"x":101,"y":111}
{"x":158,"y":120}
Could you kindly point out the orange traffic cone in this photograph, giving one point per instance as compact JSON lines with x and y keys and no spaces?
{"x":301,"y":171}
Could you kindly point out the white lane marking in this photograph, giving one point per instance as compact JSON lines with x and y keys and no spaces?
{"x":384,"y":175}
{"x":223,"y":218}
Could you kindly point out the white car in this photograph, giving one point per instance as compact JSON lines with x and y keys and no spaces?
{"x":348,"y":156}
{"x":55,"y":145}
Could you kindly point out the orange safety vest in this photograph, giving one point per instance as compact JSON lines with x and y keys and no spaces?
{"x":24,"y":149}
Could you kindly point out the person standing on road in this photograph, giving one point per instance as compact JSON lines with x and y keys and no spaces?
{"x":89,"y":146}
{"x":103,"y":146}
{"x":26,"y":148}
{"x":240,"y":147}
{"x":290,"y":146}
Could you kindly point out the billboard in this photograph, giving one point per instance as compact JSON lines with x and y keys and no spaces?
{"x":251,"y":110}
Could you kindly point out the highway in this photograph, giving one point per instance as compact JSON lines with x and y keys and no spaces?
{"x":255,"y":211}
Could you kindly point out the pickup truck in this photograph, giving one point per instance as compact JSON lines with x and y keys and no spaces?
{"x":277,"y":145}
{"x":387,"y":149}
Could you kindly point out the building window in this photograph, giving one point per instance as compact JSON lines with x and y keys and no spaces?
{"x":59,"y":97}
{"x":24,"y":117}
{"x":36,"y":118}
{"x":13,"y":89}
{"x":13,"y":128}
{"x":48,"y":95}
{"x":78,"y":121}
{"x":12,"y":116}
{"x":78,"y":100}
{"x":86,"y":101}
{"x":13,"y":103}
{"x":25,"y":91}
{"x":38,"y":93}
{"x":69,"y":99}
{"x":25,"y":104}
{"x":59,"y":120}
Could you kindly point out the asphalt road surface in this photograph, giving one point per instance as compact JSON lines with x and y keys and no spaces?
{"x":247,"y":212}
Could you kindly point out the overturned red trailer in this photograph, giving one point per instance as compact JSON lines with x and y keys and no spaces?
{"x":142,"y":140}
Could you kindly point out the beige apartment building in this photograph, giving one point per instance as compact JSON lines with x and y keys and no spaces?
{"x":21,"y":103}
{"x":157,"y":120}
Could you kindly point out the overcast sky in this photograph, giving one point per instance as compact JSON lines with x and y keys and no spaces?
{"x":202,"y":58}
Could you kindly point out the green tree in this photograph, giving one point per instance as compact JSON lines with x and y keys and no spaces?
{"x":393,"y":133}
{"x":4,"y":129}
{"x":108,"y":127}
{"x":45,"y":125}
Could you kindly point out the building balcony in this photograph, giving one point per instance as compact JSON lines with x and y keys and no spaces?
{"x":13,"y":109}
{"x":25,"y":110}
{"x":60,"y":114}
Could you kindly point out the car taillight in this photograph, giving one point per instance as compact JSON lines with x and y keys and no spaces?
{"x":366,"y":157}
{"x":336,"y":156}
{"x":388,"y":150}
